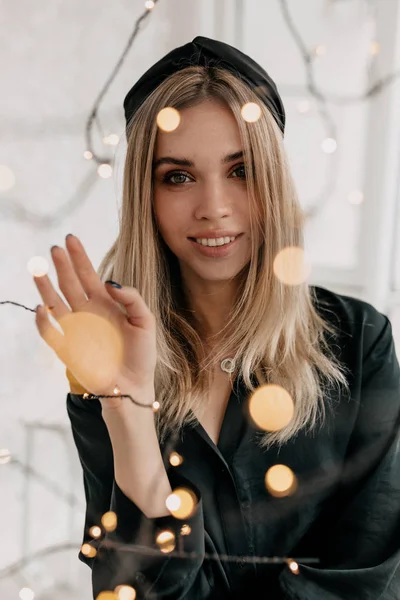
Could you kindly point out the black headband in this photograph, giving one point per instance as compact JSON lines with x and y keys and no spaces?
{"x":207,"y":52}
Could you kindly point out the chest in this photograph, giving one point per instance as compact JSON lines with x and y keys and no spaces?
{"x":218,"y":398}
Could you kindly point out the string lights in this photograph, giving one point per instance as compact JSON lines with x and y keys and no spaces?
{"x":289,"y":266}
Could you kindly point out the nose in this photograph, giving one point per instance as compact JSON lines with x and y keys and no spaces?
{"x":213,"y":202}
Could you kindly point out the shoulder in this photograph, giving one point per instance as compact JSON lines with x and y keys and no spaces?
{"x":357,"y":323}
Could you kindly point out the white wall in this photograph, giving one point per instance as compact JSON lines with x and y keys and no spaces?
{"x":54,"y":59}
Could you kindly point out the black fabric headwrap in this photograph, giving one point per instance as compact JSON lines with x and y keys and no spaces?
{"x":207,"y":52}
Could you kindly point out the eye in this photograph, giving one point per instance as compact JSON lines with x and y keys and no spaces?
{"x":167,"y":178}
{"x":243,"y":168}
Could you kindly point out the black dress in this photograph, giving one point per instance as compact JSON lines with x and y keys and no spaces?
{"x":345,"y":513}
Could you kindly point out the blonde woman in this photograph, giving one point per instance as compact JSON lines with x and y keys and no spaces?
{"x":205,"y":321}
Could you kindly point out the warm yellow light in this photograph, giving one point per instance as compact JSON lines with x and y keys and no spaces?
{"x":125,"y":592}
{"x":186,"y":529}
{"x":7,"y":178}
{"x":92,"y":348}
{"x":293,"y":566}
{"x":251,"y":112}
{"x":38,"y":266}
{"x":149,"y":4}
{"x":156,"y":405}
{"x":168,"y":119}
{"x":280,"y":481}
{"x":95,"y":531}
{"x":271,"y":407}
{"x":88,"y":550}
{"x":291,"y":266}
{"x":109,"y":521}
{"x":107,"y":595}
{"x":166,"y":541}
{"x":175,"y":459}
{"x":181,"y":503}
{"x":88,"y":155}
{"x":104,"y":170}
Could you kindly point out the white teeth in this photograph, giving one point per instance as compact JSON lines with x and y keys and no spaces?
{"x":215,"y":241}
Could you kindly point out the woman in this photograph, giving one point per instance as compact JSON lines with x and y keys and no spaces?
{"x":182,"y":312}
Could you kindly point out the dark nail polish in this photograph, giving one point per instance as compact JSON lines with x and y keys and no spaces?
{"x":52,"y":248}
{"x":69,"y":235}
{"x":113,"y":283}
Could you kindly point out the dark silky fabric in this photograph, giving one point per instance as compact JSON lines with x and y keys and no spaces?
{"x":346,"y":511}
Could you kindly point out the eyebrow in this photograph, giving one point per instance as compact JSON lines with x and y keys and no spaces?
{"x":170,"y":160}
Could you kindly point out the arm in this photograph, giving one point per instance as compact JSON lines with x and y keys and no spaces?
{"x":154,"y":575}
{"x":361,"y":558}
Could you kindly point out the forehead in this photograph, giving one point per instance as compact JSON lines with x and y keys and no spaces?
{"x":210,"y":123}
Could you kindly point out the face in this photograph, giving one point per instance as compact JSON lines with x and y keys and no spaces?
{"x":199,"y":186}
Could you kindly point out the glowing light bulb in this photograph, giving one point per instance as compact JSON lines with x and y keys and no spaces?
{"x":166,"y":541}
{"x":26,"y":593}
{"x":291,"y":266}
{"x":38,"y":266}
{"x":88,"y":155}
{"x":104,"y":170}
{"x":280,"y":481}
{"x":168,"y":119}
{"x":125,"y":592}
{"x":149,"y":4}
{"x":109,"y":521}
{"x":251,"y":112}
{"x":271,"y":407}
{"x":175,"y":459}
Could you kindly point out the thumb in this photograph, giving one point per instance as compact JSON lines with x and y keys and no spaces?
{"x":136,"y":308}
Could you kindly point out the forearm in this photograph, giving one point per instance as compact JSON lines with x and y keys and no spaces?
{"x":138,"y":464}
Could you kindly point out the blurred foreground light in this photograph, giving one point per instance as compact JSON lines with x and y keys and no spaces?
{"x":251,"y":112}
{"x":38,"y":266}
{"x":271,"y":407}
{"x":280,"y":481}
{"x":291,"y":266}
{"x":181,"y":503}
{"x":104,"y":170}
{"x":168,"y":119}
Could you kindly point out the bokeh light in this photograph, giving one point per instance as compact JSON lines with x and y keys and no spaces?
{"x":181,"y":503}
{"x":109,"y":521}
{"x":271,"y":407}
{"x":104,"y":170}
{"x":125,"y":592}
{"x":175,"y":459}
{"x":38,"y":266}
{"x":166,"y":541}
{"x":280,"y":481}
{"x":168,"y":119}
{"x":291,"y":266}
{"x":251,"y":112}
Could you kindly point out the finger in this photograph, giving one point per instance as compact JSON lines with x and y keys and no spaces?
{"x":50,"y":297}
{"x":89,"y":279}
{"x":49,"y":333}
{"x":68,"y":281}
{"x":137,"y":310}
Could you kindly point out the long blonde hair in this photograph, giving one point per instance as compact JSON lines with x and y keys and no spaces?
{"x":275,"y":328}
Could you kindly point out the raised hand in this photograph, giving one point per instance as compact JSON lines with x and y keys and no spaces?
{"x":109,"y":334}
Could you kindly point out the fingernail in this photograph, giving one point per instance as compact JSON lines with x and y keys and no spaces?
{"x":69,"y":235}
{"x":113,"y":283}
{"x":52,"y":248}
